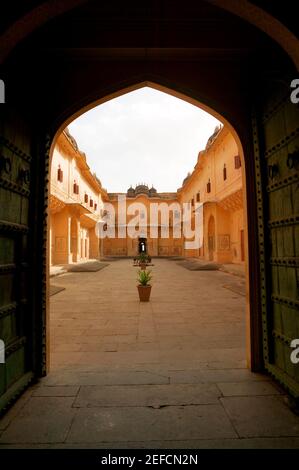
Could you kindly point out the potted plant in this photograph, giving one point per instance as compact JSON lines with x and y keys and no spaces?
{"x":144,"y":288}
{"x":142,"y":261}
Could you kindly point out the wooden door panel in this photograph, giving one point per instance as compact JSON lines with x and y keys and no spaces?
{"x":279,"y":146}
{"x":15,"y":312}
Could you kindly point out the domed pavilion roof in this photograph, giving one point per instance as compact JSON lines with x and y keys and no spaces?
{"x":142,"y":189}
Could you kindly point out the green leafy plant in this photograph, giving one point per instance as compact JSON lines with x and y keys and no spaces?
{"x":142,"y":258}
{"x":144,"y":277}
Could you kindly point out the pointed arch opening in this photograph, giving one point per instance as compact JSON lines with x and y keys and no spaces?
{"x":230,"y":227}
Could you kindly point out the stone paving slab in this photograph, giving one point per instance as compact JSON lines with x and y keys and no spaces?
{"x":55,"y":289}
{"x":72,"y":377}
{"x":198,"y":265}
{"x":231,"y":389}
{"x":92,"y":266}
{"x":149,"y":375}
{"x":156,"y":396}
{"x":261,"y":416}
{"x":238,"y":288}
{"x":56,"y":391}
{"x":12,"y":413}
{"x":140,"y":346}
{"x":41,"y":420}
{"x":202,"y":355}
{"x":67,"y":347}
{"x":143,"y":424}
{"x":108,"y":358}
{"x":214,"y":376}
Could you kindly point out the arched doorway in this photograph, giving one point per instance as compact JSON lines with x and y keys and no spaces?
{"x":254,"y":111}
{"x":142,"y":246}
{"x":211,"y":224}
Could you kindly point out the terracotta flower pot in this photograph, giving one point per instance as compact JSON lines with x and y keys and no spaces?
{"x":144,"y":292}
{"x":142,"y":266}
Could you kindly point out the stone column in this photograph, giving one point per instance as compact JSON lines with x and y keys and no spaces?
{"x":68,"y":239}
{"x":78,"y":240}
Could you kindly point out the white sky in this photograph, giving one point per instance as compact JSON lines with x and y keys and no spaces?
{"x":143,"y":136}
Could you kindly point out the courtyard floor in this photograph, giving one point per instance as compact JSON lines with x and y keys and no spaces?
{"x":170,"y":373}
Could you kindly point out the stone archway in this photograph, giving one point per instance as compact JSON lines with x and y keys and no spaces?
{"x":256,"y":104}
{"x":255,"y":357}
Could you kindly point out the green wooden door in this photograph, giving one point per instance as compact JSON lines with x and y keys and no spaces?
{"x":276,"y":137}
{"x":15,"y":306}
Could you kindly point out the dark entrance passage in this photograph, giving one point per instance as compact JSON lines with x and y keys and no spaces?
{"x":142,"y":246}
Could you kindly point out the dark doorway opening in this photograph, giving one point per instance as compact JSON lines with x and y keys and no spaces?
{"x":142,"y":246}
